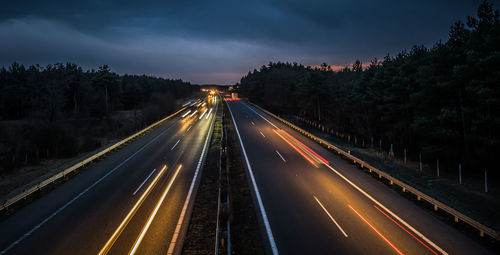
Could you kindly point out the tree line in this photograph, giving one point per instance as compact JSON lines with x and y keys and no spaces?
{"x":442,"y":101}
{"x":60,"y":110}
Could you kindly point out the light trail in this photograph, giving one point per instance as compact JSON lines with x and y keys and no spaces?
{"x":185,"y":114}
{"x":380,"y":210}
{"x":153,"y":214}
{"x":203,"y":114}
{"x":297,"y":149}
{"x":192,"y":114}
{"x":129,"y":216}
{"x":208,"y":115}
{"x":376,"y":231}
{"x":303,"y":145}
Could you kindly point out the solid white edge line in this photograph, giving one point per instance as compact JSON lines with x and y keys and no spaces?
{"x":329,"y":215}
{"x":257,"y":193}
{"x":279,"y":154}
{"x":389,"y":211}
{"x":372,"y":199}
{"x":177,"y":230}
{"x":272,"y":124}
{"x":145,"y":180}
{"x":175,"y":144}
{"x":79,"y":195}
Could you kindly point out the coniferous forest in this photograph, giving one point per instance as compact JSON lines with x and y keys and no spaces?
{"x":61,"y":110}
{"x":442,"y":101}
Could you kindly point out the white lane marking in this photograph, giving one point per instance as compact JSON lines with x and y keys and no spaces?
{"x":189,"y":128}
{"x":262,"y":134}
{"x":153,"y":215}
{"x":279,"y":154}
{"x":79,"y":195}
{"x":373,"y":199}
{"x":329,"y":215}
{"x":252,"y":123}
{"x":270,"y":236}
{"x":390,"y":212}
{"x":208,"y":115}
{"x":140,"y":186}
{"x":192,"y":114}
{"x":175,"y":144}
{"x":177,"y":230}
{"x":185,"y":114}
{"x":261,"y":116}
{"x":203,"y":114}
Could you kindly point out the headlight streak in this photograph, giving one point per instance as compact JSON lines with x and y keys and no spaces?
{"x":208,"y":115}
{"x":153,"y":214}
{"x":203,"y":114}
{"x":185,"y":114}
{"x":192,"y":114}
{"x":129,"y":216}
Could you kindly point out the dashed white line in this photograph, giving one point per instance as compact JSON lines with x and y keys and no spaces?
{"x":78,"y":196}
{"x":329,"y":215}
{"x":252,"y":123}
{"x":175,"y":144}
{"x":267,"y":225}
{"x":188,"y":198}
{"x":262,"y":134}
{"x":279,"y":154}
{"x":189,"y":128}
{"x":140,"y":186}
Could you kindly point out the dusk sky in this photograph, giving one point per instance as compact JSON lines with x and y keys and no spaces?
{"x":218,"y":41}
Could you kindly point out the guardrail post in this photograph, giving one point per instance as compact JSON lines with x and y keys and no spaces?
{"x":435,"y":207}
{"x":481,"y":233}
{"x":404,"y":189}
{"x":437,"y":167}
{"x":485,"y":181}
{"x":420,"y":161}
{"x":460,"y":173}
{"x":456,"y":219}
{"x":418,"y":197}
{"x":404,"y":155}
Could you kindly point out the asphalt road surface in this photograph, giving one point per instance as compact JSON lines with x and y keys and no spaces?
{"x":313,"y":202}
{"x":130,"y":202}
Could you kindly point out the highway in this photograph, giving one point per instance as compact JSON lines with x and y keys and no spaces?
{"x":313,"y":202}
{"x":136,"y":201}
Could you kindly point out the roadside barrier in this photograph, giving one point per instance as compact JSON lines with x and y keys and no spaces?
{"x":63,"y":173}
{"x":393,"y":181}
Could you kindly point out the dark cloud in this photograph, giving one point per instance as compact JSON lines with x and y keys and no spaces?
{"x":218,"y":41}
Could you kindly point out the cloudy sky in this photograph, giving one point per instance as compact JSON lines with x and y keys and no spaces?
{"x":204,"y":41}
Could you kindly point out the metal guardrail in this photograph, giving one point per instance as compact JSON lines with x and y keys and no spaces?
{"x":76,"y":166}
{"x":392,"y":180}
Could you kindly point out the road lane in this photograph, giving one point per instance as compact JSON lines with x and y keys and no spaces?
{"x":300,"y":225}
{"x":86,"y":224}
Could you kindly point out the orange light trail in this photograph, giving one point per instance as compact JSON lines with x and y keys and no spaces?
{"x":374,"y":229}
{"x":313,"y":152}
{"x":297,"y":149}
{"x":405,"y":230}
